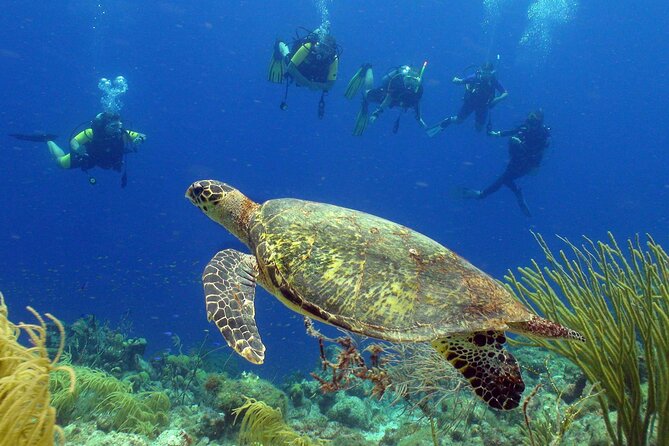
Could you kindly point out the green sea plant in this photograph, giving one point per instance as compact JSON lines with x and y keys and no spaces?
{"x":264,"y":425}
{"x":140,"y":413}
{"x":90,"y":385}
{"x":110,"y":401}
{"x":619,"y":300}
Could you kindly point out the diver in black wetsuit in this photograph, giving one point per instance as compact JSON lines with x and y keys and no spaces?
{"x":527,"y":145}
{"x":482,"y":92}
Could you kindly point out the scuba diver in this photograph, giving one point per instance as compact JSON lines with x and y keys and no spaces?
{"x":527,"y":146}
{"x":481,"y":90}
{"x":312,"y":62}
{"x":104,"y":145}
{"x":400,"y":87}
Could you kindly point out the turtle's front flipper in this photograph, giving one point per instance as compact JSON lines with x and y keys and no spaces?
{"x":229,"y":287}
{"x":492,"y":371}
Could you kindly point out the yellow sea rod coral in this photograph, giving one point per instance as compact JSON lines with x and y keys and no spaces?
{"x":262,"y":425}
{"x":618,"y":297}
{"x":26,"y":417}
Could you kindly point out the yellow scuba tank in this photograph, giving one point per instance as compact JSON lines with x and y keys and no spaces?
{"x":300,"y":54}
{"x":332,"y":71}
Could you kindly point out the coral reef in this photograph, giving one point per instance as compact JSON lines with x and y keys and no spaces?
{"x":350,"y":411}
{"x":233,"y":393}
{"x":97,"y":345}
{"x":364,"y":393}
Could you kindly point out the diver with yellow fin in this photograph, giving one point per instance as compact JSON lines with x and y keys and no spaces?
{"x":104,"y":144}
{"x":312,"y":62}
{"x":401,"y":87}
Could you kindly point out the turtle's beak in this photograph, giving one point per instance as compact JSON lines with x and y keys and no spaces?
{"x":194,"y":192}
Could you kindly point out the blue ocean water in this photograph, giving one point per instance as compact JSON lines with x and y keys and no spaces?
{"x":197,"y":87}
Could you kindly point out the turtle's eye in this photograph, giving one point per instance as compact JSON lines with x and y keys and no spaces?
{"x":195,"y":192}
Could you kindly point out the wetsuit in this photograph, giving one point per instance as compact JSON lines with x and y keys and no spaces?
{"x":105,"y":152}
{"x":526,"y":150}
{"x":313,"y":64}
{"x":393,"y":93}
{"x":479,"y":91}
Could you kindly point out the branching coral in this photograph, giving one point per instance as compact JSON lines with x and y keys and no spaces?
{"x":620,"y":302}
{"x":350,"y":367}
{"x":264,"y":425}
{"x":26,"y":417}
{"x":549,"y":425}
{"x":415,"y":373}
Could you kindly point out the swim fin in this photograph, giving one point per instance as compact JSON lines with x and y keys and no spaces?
{"x":35,"y":137}
{"x":522,"y":203}
{"x":361,"y":120}
{"x":362,"y":76}
{"x":438,"y":128}
{"x":277,"y":67}
{"x":464,"y":192}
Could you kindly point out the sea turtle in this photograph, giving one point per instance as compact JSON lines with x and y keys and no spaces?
{"x":367,"y":275}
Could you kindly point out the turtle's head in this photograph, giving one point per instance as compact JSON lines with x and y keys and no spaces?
{"x":223,"y":204}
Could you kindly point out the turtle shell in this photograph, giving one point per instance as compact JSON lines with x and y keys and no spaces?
{"x":372,"y":276}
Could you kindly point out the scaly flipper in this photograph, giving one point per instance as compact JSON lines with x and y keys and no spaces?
{"x":229,"y":288}
{"x":538,"y":326}
{"x":492,"y":371}
{"x":362,"y":76}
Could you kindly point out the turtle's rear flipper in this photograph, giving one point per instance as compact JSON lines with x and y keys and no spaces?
{"x":492,"y":371}
{"x":229,"y":287}
{"x":538,"y":326}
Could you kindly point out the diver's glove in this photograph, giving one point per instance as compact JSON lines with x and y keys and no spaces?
{"x":79,"y":149}
{"x":470,"y":193}
{"x":375,"y":114}
{"x":139,"y":140}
